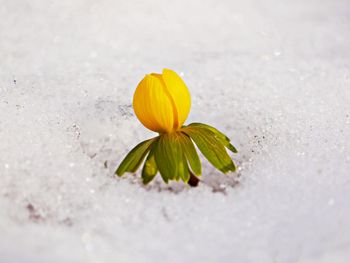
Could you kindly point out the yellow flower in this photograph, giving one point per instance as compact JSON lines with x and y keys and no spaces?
{"x":162,"y":102}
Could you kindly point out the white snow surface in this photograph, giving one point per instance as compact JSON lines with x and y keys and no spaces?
{"x":273,"y":75}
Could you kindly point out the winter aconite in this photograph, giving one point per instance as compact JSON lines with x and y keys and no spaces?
{"x":162,"y":103}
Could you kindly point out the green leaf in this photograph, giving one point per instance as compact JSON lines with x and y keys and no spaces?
{"x":165,"y":155}
{"x":134,"y":158}
{"x":211,"y":147}
{"x":218,"y":134}
{"x":170,"y":159}
{"x":184,"y":171}
{"x":191,"y":154}
{"x":150,"y":169}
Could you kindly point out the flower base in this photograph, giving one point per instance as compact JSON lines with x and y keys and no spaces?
{"x":174,"y":155}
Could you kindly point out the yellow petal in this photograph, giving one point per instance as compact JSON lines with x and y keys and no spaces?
{"x":180,"y":95}
{"x":153,"y":106}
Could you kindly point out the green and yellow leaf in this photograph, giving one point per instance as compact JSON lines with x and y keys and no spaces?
{"x":150,"y":169}
{"x":170,"y":158}
{"x":211,"y":147}
{"x":135,"y":157}
{"x":218,"y":134}
{"x":191,"y":154}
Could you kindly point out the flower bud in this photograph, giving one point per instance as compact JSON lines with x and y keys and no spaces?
{"x":162,"y":102}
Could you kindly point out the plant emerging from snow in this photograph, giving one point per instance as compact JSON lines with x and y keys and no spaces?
{"x":162,"y":103}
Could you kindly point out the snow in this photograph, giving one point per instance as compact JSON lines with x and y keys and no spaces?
{"x":273,"y":75}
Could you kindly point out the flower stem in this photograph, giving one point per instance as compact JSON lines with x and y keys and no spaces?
{"x":193,"y":182}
